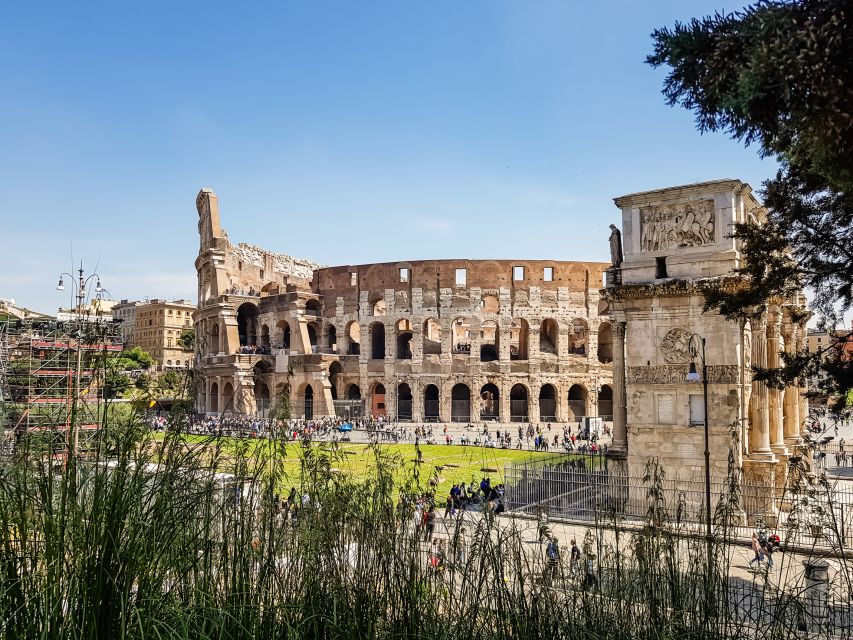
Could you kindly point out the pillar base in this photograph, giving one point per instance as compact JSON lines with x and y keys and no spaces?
{"x":617,"y":451}
{"x":759,"y":487}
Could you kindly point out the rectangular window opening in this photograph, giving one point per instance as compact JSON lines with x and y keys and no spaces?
{"x":518,"y":273}
{"x":404,"y":275}
{"x":660,"y":267}
{"x":461,"y":277}
{"x":697,"y":409}
{"x":353,"y":278}
{"x":548,"y":274}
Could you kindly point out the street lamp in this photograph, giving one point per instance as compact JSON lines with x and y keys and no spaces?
{"x":80,"y":283}
{"x":693,"y":377}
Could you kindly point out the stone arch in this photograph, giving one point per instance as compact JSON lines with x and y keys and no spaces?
{"x":265,"y":336}
{"x":353,"y":332}
{"x":262,"y":398}
{"x":335,"y":371}
{"x":332,"y":337}
{"x":404,"y":339}
{"x":490,"y":402}
{"x":284,"y":329}
{"x":461,"y":335}
{"x":353,"y":392}
{"x":577,"y":401}
{"x":215,"y":339}
{"x":548,"y":403}
{"x":213,"y":398}
{"x":431,"y":337}
{"x":519,"y":343}
{"x":489,"y":303}
{"x":605,"y":402}
{"x":490,"y":337}
{"x":227,"y":397}
{"x":313,"y":336}
{"x":578,"y":337}
{"x":432,"y":399}
{"x":404,"y":402}
{"x":377,"y":341}
{"x":518,"y":402}
{"x":377,"y":400}
{"x":247,"y":324}
{"x":268,"y":288}
{"x":605,"y":343}
{"x":549,"y":336}
{"x":460,"y":403}
{"x":308,"y":402}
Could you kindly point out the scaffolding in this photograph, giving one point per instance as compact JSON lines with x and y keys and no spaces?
{"x":52,"y":376}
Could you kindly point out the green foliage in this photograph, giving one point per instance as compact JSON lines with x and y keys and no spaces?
{"x":132,"y":359}
{"x":187,"y":339}
{"x":116,"y":383}
{"x":780,"y":75}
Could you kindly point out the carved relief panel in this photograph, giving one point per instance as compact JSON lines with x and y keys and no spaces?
{"x":686,"y":224}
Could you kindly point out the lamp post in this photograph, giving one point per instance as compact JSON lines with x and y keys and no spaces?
{"x":693,"y":376}
{"x":81,"y":283}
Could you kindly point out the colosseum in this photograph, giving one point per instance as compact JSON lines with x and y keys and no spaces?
{"x":428,"y":340}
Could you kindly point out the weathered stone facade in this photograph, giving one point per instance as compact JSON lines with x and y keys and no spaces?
{"x":677,"y":244}
{"x":443,"y":340}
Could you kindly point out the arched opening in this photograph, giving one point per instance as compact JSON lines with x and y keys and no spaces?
{"x":461,"y":336}
{"x":335,"y":371}
{"x":404,"y":340}
{"x":377,"y":341}
{"x":312,"y":337}
{"x":490,"y":402}
{"x":404,"y":402}
{"x":308,"y":402}
{"x":431,"y":337}
{"x":284,"y":331}
{"x":431,"y":408}
{"x":577,"y":338}
{"x":548,"y":403}
{"x":312,"y":308}
{"x":377,"y":400}
{"x":549,"y":335}
{"x":518,"y":403}
{"x":247,"y":324}
{"x":605,"y":343}
{"x":460,"y":403}
{"x":353,"y":392}
{"x":265,"y":336}
{"x":605,"y":402}
{"x":228,"y":397}
{"x":490,"y":304}
{"x":262,"y":398}
{"x":332,"y":334}
{"x":577,"y":402}
{"x":519,"y":339}
{"x":489,"y":341}
{"x":354,"y":337}
{"x":213,"y":398}
{"x":379,"y":307}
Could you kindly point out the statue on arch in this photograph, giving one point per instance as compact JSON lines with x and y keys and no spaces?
{"x":615,"y":246}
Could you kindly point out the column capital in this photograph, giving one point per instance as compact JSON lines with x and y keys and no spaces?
{"x":619,"y":329}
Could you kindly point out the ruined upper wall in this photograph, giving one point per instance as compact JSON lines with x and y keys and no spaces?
{"x":440,"y":274}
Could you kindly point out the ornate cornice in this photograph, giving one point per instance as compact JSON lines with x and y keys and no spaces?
{"x":674,"y":288}
{"x":677,"y":374}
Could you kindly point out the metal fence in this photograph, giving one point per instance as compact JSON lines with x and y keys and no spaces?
{"x":577,"y":489}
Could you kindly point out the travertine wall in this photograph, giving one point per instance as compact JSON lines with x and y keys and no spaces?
{"x":407,"y":337}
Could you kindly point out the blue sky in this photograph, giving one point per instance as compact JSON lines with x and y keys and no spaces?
{"x":343,"y":132}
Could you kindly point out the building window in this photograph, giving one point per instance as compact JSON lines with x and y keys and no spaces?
{"x":170,"y":312}
{"x":660,"y":267}
{"x":518,"y":273}
{"x":697,"y":409}
{"x":548,"y":274}
{"x":353,"y":278}
{"x":404,"y":274}
{"x":169,"y":342}
{"x":169,"y":363}
{"x":239,"y":265}
{"x":461,"y":277}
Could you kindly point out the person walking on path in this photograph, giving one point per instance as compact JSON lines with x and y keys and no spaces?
{"x":756,"y":548}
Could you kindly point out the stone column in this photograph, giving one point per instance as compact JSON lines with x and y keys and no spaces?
{"x":774,"y":395}
{"x":619,"y":447}
{"x":759,"y":425}
{"x":791,"y":404}
{"x":417,"y":400}
{"x":801,"y":335}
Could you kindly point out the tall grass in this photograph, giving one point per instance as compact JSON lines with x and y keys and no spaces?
{"x":152,"y":538}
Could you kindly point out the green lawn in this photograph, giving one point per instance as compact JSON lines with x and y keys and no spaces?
{"x":448,"y":464}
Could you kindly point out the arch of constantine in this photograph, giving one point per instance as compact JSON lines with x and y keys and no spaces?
{"x":435,"y":340}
